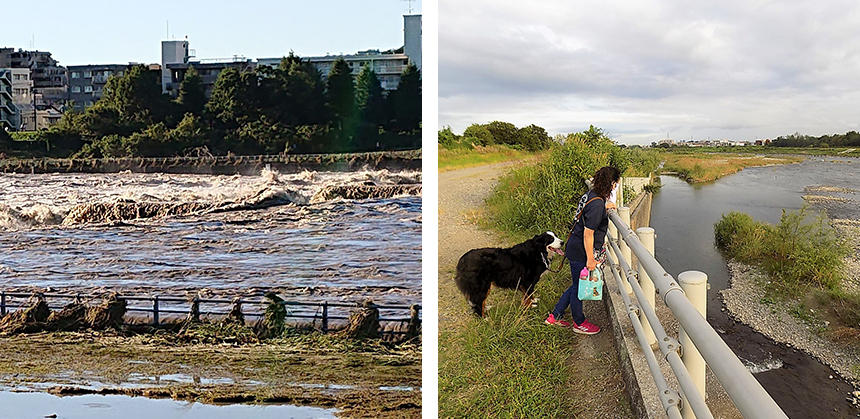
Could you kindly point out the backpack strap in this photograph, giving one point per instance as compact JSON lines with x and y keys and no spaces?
{"x":579,"y":216}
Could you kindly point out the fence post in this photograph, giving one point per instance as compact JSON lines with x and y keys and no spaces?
{"x":325,"y":317}
{"x":624,"y":213}
{"x":695,"y":286}
{"x":646,"y":236}
{"x":619,"y":198}
{"x":155,"y":311}
{"x":2,"y":303}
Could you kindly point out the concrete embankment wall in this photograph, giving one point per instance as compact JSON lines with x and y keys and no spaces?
{"x":222,"y":165}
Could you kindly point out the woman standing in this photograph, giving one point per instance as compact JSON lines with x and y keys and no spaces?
{"x":585,"y":247}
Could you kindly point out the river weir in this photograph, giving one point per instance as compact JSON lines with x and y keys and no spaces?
{"x":684,"y":216}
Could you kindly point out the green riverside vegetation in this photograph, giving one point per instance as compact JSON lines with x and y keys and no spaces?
{"x":494,"y":142}
{"x":512,"y":355}
{"x":802,"y":256}
{"x":267,"y":110}
{"x":542,"y":197}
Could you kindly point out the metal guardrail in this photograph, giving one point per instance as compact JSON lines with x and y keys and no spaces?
{"x":321,"y":310}
{"x":746,"y":393}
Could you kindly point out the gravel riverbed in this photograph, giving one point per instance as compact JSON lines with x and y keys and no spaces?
{"x":746,"y":302}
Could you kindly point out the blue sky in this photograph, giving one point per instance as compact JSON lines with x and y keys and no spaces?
{"x":110,"y":32}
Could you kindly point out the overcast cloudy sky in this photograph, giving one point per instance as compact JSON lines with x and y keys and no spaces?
{"x":639,"y":70}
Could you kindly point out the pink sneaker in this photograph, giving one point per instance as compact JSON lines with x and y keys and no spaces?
{"x":586,"y":328}
{"x":552,"y":320}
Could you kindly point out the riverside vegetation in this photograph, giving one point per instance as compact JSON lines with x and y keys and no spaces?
{"x":528,"y":368}
{"x":803,"y":260}
{"x":267,"y":110}
{"x":702,"y":166}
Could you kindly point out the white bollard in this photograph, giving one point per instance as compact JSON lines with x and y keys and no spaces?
{"x":624,"y":213}
{"x":695,"y":286}
{"x":646,"y":236}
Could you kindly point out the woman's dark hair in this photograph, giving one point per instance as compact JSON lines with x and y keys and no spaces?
{"x":603,"y":179}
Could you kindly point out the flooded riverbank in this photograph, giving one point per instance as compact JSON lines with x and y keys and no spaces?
{"x":683,"y":217}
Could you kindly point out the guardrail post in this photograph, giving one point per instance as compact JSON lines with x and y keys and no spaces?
{"x":646,"y":236}
{"x":695,"y":286}
{"x":325,"y":317}
{"x":624,"y":213}
{"x":155,"y":311}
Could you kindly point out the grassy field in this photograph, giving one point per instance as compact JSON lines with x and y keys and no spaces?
{"x":458,"y":158}
{"x":701,"y":166}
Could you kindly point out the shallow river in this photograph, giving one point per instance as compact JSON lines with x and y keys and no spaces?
{"x":683,"y":217}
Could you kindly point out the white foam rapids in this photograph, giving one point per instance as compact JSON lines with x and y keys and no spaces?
{"x":35,"y":200}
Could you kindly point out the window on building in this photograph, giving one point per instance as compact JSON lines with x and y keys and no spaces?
{"x":88,"y":89}
{"x":76,"y":89}
{"x":88,"y":74}
{"x":76,"y":75}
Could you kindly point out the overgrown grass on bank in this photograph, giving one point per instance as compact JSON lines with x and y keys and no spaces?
{"x":706,"y":167}
{"x":769,"y":150}
{"x":803,"y":258}
{"x":543,"y":196}
{"x":458,"y":158}
{"x":511,"y":364}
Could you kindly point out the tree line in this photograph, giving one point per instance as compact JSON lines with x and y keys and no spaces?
{"x":268,"y":110}
{"x":531,"y":137}
{"x":849,"y":139}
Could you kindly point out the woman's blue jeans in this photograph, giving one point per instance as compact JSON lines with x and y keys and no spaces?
{"x":570,"y":297}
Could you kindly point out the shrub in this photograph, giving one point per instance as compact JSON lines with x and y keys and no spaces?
{"x":797,"y":253}
{"x":544,"y":196}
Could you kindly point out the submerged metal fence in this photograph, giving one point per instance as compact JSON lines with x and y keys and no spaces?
{"x":157,"y":305}
{"x":699,"y":342}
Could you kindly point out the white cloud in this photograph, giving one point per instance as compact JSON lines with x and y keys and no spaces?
{"x":731,"y":69}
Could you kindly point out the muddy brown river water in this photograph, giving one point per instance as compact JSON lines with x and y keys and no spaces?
{"x":178,"y":234}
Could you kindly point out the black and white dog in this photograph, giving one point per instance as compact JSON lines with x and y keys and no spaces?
{"x":518,"y":267}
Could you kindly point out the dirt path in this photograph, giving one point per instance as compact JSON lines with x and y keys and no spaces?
{"x":461,"y":195}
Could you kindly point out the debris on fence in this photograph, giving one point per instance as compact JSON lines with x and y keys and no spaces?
{"x":363,"y":322}
{"x":29,"y":319}
{"x":414,"y":327}
{"x":235,"y":315}
{"x":268,"y":318}
{"x":108,"y":314}
{"x":72,"y":317}
{"x":272,"y":323}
